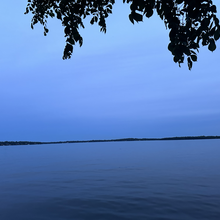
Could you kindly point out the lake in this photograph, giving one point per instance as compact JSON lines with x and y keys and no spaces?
{"x":158,"y":180}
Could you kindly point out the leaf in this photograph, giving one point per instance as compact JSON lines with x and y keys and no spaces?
{"x":80,"y":41}
{"x":186,"y":51}
{"x":192,"y":52}
{"x":103,"y":29}
{"x":149,"y":12}
{"x":175,"y":59}
{"x":212,"y":45}
{"x":68,"y":50}
{"x":92,"y":20}
{"x":194,"y":58}
{"x":27,"y":11}
{"x":131,"y":18}
{"x":109,"y":6}
{"x":109,"y":11}
{"x":189,"y":61}
{"x":205,"y":23}
{"x":45,"y":31}
{"x":170,"y":47}
{"x":137,"y":17}
{"x":216,"y":20}
{"x":59,"y":15}
{"x":172,"y":34}
{"x":71,"y":41}
{"x":67,"y":30}
{"x":213,"y":9}
{"x":217,"y":35}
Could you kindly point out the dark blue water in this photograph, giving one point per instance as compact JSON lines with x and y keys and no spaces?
{"x":117,"y":180}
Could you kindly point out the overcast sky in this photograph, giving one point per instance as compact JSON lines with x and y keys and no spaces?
{"x":120,"y":84}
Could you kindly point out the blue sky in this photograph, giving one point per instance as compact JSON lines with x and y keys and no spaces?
{"x":120,"y":84}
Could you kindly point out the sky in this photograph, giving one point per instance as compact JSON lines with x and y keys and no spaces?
{"x":120,"y":84}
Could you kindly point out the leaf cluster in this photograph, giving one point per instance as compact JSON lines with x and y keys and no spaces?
{"x":71,"y":14}
{"x":191,"y":23}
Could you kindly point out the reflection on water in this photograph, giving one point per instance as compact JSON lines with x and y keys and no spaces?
{"x":116,"y":180}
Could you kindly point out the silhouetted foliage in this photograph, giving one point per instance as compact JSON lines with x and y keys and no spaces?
{"x":191,"y":23}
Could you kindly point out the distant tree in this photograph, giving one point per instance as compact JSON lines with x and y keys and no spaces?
{"x":191,"y":23}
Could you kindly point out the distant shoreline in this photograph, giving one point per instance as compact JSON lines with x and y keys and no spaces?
{"x":12,"y":143}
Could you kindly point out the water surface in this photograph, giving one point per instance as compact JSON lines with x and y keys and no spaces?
{"x":114,"y":180}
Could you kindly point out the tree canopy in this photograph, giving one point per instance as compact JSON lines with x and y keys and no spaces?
{"x":191,"y":23}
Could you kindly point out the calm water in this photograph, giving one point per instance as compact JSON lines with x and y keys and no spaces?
{"x":177,"y":180}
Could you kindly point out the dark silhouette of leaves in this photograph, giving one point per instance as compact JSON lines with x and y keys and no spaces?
{"x":212,"y":45}
{"x":191,"y":23}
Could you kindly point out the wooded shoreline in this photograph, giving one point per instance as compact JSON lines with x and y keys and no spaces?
{"x":12,"y":143}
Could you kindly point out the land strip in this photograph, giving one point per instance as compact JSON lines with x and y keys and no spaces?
{"x":11,"y":143}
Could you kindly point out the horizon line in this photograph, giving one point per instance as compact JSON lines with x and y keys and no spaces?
{"x":7,"y":143}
